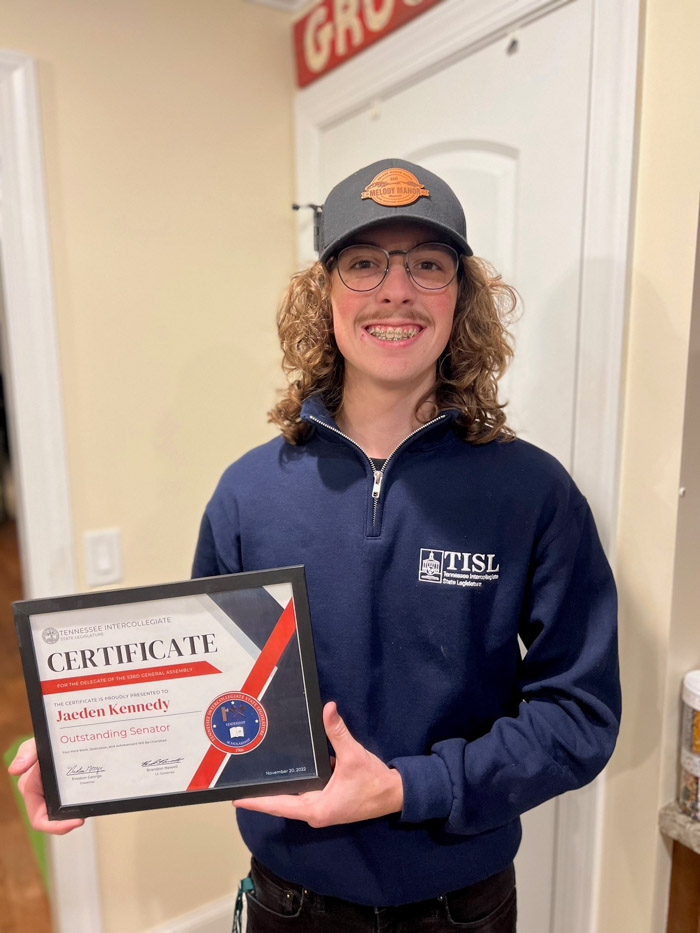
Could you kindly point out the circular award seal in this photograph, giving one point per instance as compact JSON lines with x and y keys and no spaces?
{"x":235,"y":723}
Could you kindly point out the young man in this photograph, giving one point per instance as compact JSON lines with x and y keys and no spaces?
{"x":432,"y":539}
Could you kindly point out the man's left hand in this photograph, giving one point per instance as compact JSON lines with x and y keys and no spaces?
{"x":361,"y":787}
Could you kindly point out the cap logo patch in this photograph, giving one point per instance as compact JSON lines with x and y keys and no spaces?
{"x":395,"y":187}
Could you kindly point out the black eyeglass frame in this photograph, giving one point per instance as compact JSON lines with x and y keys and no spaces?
{"x":398,"y":252}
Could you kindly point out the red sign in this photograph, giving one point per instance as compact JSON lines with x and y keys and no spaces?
{"x":335,"y":30}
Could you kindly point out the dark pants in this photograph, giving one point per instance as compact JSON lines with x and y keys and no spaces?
{"x":276,"y":905}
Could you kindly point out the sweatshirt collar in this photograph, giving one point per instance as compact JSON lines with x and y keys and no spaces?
{"x":314,"y":411}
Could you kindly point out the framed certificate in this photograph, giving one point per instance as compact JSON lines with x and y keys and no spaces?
{"x":168,"y":695}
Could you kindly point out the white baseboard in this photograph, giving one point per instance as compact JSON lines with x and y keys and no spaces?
{"x":214,"y":917}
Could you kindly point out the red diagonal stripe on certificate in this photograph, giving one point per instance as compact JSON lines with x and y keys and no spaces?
{"x":208,"y":767}
{"x":125,"y":678}
{"x":256,"y":680}
{"x":271,"y":653}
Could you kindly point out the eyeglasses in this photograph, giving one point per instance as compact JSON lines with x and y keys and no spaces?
{"x":430,"y":265}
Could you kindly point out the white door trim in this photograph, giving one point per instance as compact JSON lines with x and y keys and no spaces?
{"x":448,"y":31}
{"x":607,"y":243}
{"x":33,"y":386}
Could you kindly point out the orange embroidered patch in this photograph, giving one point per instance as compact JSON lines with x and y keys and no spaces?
{"x":395,"y":187}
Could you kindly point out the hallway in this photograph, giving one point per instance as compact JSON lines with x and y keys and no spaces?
{"x":23,"y":902}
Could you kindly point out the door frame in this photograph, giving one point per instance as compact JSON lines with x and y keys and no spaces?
{"x":36,"y":425}
{"x":446,"y":32}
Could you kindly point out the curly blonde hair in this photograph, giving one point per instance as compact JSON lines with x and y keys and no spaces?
{"x":467,"y":372}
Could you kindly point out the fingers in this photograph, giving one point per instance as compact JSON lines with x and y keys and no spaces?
{"x":308,"y":807}
{"x":287,"y":805}
{"x":336,"y":730}
{"x":24,"y":759}
{"x":361,"y":787}
{"x":32,"y":789}
{"x":56,"y":827}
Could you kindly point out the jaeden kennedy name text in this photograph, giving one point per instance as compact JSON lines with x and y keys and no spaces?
{"x":112,"y":709}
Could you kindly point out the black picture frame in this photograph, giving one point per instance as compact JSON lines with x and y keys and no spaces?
{"x":292,"y":686}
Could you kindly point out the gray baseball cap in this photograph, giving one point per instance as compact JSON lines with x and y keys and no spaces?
{"x":391,"y":189}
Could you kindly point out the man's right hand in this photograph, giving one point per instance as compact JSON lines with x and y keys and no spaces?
{"x":26,"y":765}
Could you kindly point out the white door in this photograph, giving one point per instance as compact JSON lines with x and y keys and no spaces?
{"x":506,"y":126}
{"x":508,"y":132}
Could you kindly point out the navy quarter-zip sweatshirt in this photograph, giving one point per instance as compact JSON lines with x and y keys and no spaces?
{"x":420,"y":578}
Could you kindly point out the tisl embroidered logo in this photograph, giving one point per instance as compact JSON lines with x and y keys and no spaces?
{"x":457,"y":568}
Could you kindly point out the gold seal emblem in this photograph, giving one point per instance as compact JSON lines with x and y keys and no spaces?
{"x":395,"y":187}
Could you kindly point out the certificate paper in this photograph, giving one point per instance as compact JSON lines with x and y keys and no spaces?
{"x":169,"y":695}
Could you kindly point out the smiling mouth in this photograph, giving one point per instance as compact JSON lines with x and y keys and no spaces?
{"x":385,"y":332}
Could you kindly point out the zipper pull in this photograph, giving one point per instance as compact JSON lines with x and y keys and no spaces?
{"x":377,"y":488}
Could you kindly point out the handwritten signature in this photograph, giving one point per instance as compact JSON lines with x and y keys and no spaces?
{"x":88,"y":769}
{"x":153,"y":762}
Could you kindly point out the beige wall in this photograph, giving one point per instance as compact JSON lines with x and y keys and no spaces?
{"x":167,"y":138}
{"x":659,"y":636}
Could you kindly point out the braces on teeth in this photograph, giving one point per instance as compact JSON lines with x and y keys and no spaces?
{"x":393,"y":333}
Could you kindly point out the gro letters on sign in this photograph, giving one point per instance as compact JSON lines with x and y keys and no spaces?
{"x":335,"y":30}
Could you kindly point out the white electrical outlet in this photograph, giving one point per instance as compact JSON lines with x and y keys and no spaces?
{"x":103,"y":556}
